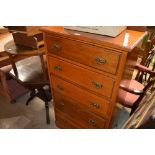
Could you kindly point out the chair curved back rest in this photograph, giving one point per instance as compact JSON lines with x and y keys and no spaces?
{"x":149,"y":53}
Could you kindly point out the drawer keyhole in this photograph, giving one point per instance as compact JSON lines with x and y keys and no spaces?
{"x":58,"y":68}
{"x":92,"y":122}
{"x":56,"y":47}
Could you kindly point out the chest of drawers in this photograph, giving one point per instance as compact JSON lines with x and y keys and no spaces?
{"x":85,"y":71}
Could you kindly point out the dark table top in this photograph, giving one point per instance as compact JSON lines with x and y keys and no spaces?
{"x":12,"y":48}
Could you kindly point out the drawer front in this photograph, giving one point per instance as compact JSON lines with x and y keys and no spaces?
{"x":78,"y":115}
{"x":63,"y":122}
{"x":96,"y":104}
{"x":86,"y":78}
{"x":97,"y":57}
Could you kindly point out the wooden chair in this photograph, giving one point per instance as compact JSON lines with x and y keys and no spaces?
{"x":131,"y":91}
{"x":142,"y":75}
{"x":31,"y":72}
{"x":148,"y":55}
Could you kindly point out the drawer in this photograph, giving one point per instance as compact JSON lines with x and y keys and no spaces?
{"x":90,"y":101}
{"x":94,"y":56}
{"x":83,"y":77}
{"x":78,"y":115}
{"x":63,"y":122}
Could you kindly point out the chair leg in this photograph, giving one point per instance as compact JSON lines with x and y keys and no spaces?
{"x":47,"y":113}
{"x":133,"y":109}
{"x":32,"y":95}
{"x":41,"y":92}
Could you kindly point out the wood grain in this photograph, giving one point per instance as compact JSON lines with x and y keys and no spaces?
{"x":86,"y":54}
{"x":81,"y":96}
{"x":75,"y":59}
{"x":73,"y":73}
{"x":78,"y":115}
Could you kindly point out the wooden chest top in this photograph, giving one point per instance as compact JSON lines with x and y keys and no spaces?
{"x":126,"y":41}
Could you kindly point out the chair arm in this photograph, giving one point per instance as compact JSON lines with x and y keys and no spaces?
{"x":136,"y":92}
{"x":145,"y":69}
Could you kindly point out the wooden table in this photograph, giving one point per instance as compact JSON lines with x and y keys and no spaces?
{"x":12,"y":48}
{"x":7,"y":45}
{"x":85,"y":72}
{"x":19,"y":52}
{"x":4,"y":38}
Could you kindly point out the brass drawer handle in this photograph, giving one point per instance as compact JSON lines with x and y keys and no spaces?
{"x":100,"y":60}
{"x":56,"y":47}
{"x":97,"y":85}
{"x":58,"y":68}
{"x":60,"y":87}
{"x":95,"y":105}
{"x":92,"y":122}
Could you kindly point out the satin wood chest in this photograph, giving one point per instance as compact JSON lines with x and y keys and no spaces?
{"x":85,"y":71}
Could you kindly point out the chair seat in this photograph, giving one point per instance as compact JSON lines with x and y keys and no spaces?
{"x":30,"y":71}
{"x":126,"y":98}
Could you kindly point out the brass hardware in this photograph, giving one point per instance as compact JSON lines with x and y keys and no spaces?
{"x":97,"y":85}
{"x":100,"y":60}
{"x":95,"y":105}
{"x":56,"y":47}
{"x":60,"y":88}
{"x":92,"y":122}
{"x":57,"y":68}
